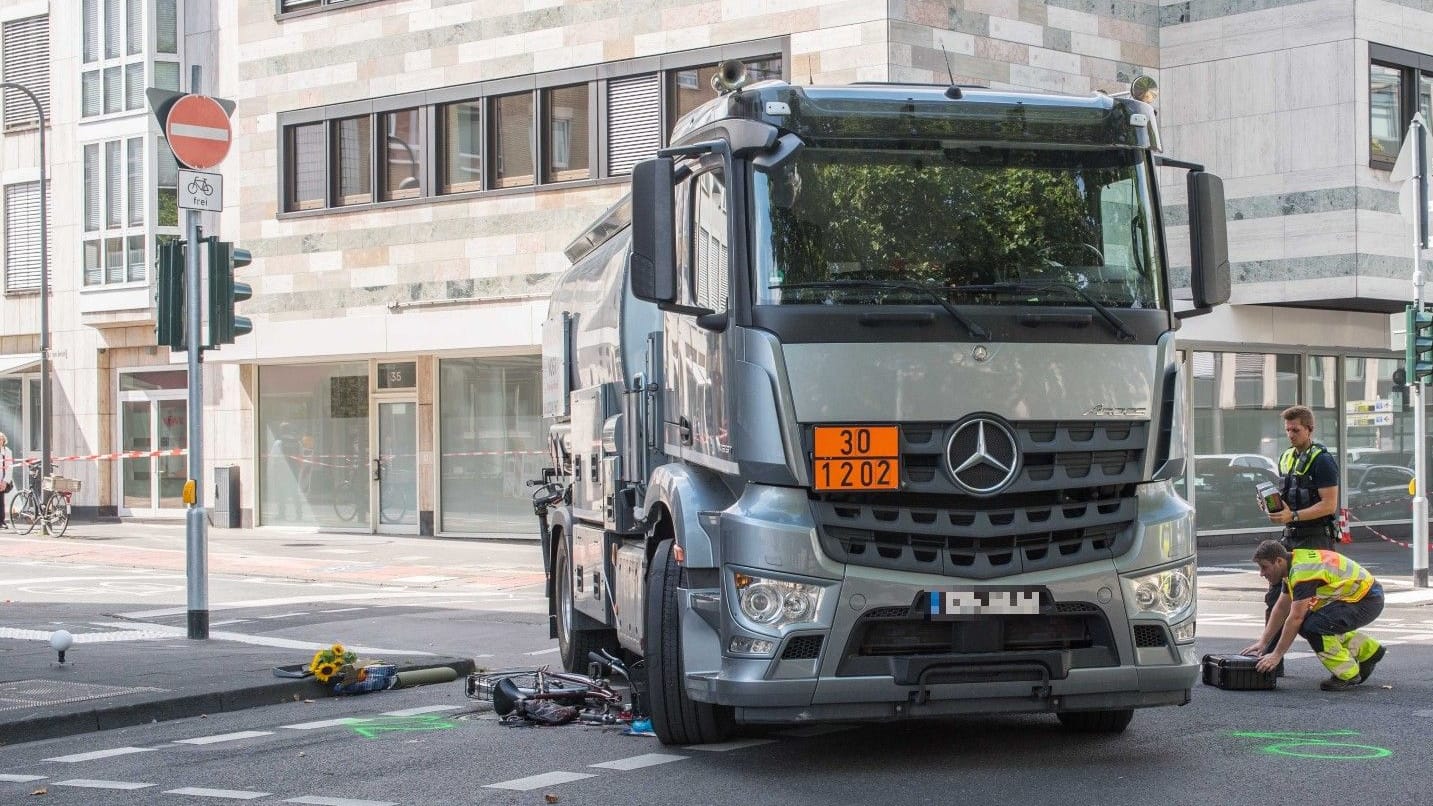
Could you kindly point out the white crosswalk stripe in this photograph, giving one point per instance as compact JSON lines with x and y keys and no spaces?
{"x":538,"y":781}
{"x":90,"y":783}
{"x":231,"y":794}
{"x":325,"y":723}
{"x":225,"y":737}
{"x":315,"y":800}
{"x":97,"y":754}
{"x":20,"y":779}
{"x":423,"y":709}
{"x":726,"y":747}
{"x":638,"y":762}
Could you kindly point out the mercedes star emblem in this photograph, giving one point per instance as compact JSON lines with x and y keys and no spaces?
{"x":983,"y":455}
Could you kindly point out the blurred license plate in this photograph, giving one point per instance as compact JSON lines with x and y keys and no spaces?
{"x":967,"y":603}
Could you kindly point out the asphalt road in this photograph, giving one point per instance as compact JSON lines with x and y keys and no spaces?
{"x":433,"y":746}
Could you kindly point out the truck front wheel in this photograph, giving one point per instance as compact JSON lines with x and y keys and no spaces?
{"x":577,"y":633}
{"x":676,"y":718}
{"x":1114,"y":721}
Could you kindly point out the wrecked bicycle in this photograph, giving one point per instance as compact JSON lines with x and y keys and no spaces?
{"x":545,"y":697}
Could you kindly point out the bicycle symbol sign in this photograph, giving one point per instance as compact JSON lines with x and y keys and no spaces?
{"x":201,"y":191}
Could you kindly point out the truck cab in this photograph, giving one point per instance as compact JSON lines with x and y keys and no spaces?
{"x":865,"y":405}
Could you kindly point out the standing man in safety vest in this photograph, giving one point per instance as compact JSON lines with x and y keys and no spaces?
{"x":1325,"y":597}
{"x":1309,"y":491}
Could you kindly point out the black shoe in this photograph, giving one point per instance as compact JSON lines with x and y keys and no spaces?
{"x":1339,"y":684}
{"x":1365,"y":669}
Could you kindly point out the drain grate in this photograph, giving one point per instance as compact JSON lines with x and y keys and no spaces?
{"x":35,"y":693}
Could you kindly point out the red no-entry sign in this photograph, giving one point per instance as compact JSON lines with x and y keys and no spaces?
{"x":198,"y":131}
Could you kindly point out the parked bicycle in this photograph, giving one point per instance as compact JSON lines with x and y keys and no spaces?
{"x":46,"y":502}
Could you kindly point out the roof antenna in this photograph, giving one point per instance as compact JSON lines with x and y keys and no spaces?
{"x":952,"y":92}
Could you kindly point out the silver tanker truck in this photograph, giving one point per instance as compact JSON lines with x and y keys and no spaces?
{"x":865,"y":406}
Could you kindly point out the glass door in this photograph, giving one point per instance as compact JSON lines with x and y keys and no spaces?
{"x":151,"y":475}
{"x":395,"y":502}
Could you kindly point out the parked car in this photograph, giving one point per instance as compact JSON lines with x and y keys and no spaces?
{"x":1225,"y":494}
{"x":1378,"y":493}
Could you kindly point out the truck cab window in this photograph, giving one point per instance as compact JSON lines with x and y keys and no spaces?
{"x":707,"y":252}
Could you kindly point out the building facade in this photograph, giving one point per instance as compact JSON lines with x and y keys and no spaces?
{"x":407,"y":173}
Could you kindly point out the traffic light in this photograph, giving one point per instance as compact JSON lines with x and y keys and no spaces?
{"x":224,"y":326}
{"x":1418,"y":353}
{"x":170,"y":286}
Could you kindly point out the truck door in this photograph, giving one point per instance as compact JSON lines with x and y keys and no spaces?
{"x":697,"y":407}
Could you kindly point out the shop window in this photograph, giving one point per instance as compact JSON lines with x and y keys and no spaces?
{"x":491,"y":440}
{"x":1238,"y":433}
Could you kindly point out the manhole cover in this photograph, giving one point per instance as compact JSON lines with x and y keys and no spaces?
{"x":35,"y":693}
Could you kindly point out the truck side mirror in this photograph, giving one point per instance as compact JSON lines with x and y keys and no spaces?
{"x":653,"y":262}
{"x":1208,"y":241}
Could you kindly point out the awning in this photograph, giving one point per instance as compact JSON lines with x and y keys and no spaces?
{"x":18,"y":362}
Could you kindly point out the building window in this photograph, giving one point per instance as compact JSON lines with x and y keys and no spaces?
{"x":503,"y":139}
{"x":22,"y":237}
{"x":461,"y":127}
{"x":25,"y":60}
{"x":113,"y":210}
{"x":114,"y":33}
{"x":353,"y":145}
{"x":285,"y":6}
{"x":1400,"y":82}
{"x":567,"y":120}
{"x":512,"y":140}
{"x":304,"y":167}
{"x":403,"y":154}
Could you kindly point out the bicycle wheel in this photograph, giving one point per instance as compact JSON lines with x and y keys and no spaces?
{"x":23,"y":513}
{"x":345,"y":501}
{"x":57,"y":515}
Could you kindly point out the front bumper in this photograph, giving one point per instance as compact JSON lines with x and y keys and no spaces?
{"x":838,"y":681}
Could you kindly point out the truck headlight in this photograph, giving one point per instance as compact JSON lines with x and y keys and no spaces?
{"x":774,"y":602}
{"x":1166,"y":593}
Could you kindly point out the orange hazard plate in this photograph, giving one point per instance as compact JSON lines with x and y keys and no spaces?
{"x":865,"y":457}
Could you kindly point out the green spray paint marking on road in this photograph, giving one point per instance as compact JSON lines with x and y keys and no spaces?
{"x":1317,"y":745}
{"x":371,"y":727}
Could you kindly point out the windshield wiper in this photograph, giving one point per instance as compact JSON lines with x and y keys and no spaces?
{"x":1105,"y":313}
{"x":934,"y":293}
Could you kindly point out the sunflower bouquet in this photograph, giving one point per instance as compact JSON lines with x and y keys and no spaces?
{"x":331,"y":662}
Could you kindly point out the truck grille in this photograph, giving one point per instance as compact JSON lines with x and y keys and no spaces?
{"x":1072,"y":502}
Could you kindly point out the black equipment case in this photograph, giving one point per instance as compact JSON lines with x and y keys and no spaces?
{"x":1236,"y":673}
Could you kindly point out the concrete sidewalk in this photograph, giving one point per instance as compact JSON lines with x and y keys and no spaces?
{"x":125,"y":682}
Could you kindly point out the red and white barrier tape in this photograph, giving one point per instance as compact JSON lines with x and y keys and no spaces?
{"x":1386,"y":538}
{"x":97,"y":456}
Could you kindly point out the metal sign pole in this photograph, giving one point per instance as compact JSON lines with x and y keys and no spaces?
{"x":1420,"y":425}
{"x":195,"y":536}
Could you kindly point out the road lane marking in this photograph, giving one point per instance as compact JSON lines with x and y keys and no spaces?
{"x":424,"y":709}
{"x":285,"y":615}
{"x":343,"y":610}
{"x":638,"y":762}
{"x":225,"y":737}
{"x":318,"y":800}
{"x":327,"y":723}
{"x":20,"y":779}
{"x":421,"y":579}
{"x":815,"y":730}
{"x":90,"y":783}
{"x":547,"y":651}
{"x":91,"y":756}
{"x":538,"y":781}
{"x":231,"y":794}
{"x":726,"y":747}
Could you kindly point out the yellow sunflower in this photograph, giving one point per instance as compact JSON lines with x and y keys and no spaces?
{"x":337,"y":650}
{"x":325,"y":672}
{"x":317,"y":659}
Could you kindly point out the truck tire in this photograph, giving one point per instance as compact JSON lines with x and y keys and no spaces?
{"x":576,"y":633}
{"x":1114,"y":721}
{"x":676,"y":718}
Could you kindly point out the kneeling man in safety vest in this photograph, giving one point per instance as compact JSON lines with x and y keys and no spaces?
{"x":1326,"y":597}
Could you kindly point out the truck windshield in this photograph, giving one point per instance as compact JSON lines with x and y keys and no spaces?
{"x":986,"y":225}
